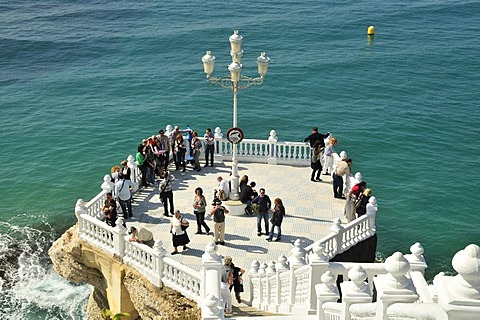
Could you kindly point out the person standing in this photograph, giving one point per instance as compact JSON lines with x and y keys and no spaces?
{"x":277,"y":219}
{"x":166,"y":144}
{"x":166,"y":192}
{"x":264,"y":204}
{"x":197,"y":150}
{"x":218,"y":212}
{"x":342,"y":168}
{"x":180,"y":151}
{"x":226,"y":278}
{"x":237,"y":280}
{"x":316,"y":136}
{"x":328,"y":155}
{"x":199,"y":208}
{"x":122,"y":192}
{"x":209,"y":146}
{"x":110,"y":209}
{"x":141,"y":160}
{"x":178,"y":229}
{"x":315,"y":162}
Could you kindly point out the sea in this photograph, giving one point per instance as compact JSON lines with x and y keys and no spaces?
{"x":82,"y":82}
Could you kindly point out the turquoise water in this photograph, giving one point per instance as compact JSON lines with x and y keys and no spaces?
{"x":82,"y":83}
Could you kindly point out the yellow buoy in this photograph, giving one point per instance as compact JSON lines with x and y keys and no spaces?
{"x":371,"y":31}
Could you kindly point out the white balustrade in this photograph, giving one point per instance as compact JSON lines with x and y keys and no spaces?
{"x":182,"y":278}
{"x":97,"y":232}
{"x":95,"y":206}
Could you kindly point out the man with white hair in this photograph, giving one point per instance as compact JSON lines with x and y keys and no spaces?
{"x":226,"y":282}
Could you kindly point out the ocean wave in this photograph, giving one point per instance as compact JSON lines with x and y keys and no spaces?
{"x":27,"y":278}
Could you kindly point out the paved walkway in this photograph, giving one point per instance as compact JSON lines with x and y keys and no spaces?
{"x":310,"y":211}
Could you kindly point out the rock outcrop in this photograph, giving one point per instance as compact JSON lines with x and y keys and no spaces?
{"x":116,"y":286}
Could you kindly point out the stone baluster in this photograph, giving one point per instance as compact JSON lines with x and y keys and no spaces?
{"x":272,"y":271}
{"x":394,"y":287}
{"x":119,"y":237}
{"x":372,"y":208}
{"x":416,"y":259}
{"x":272,"y":147}
{"x":358,"y":177}
{"x":134,"y":173}
{"x":253,"y":273}
{"x":319,"y":265}
{"x":159,"y":254}
{"x":282,"y":264}
{"x":79,"y":210}
{"x":459,"y":296}
{"x":297,"y":260}
{"x":212,"y":265}
{"x":339,"y":230}
{"x":355,"y":291}
{"x":107,"y":184}
{"x":326,"y":291}
{"x":262,"y":290}
{"x":218,"y":142}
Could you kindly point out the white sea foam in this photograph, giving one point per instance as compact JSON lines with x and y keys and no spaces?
{"x":30,"y":287}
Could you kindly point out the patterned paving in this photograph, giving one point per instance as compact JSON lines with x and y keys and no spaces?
{"x":310,"y":211}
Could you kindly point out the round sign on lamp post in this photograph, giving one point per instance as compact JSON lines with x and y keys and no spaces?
{"x":235,"y":135}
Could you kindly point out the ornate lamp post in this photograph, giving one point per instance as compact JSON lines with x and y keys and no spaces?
{"x":235,"y":82}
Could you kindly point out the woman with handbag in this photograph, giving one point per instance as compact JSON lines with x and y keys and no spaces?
{"x":199,"y":208}
{"x":178,"y":229}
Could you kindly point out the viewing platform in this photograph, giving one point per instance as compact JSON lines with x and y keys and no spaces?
{"x":294,"y":277}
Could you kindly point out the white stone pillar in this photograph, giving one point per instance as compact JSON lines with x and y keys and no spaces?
{"x":326,"y":291}
{"x":272,"y":293}
{"x":339,"y":230}
{"x":416,"y":259}
{"x":107,"y":184}
{"x":79,"y":210}
{"x":262,"y":290}
{"x":160,"y":254}
{"x":119,"y":237}
{"x":272,"y":148}
{"x":319,"y":265}
{"x":212,"y":308}
{"x":297,"y":260}
{"x":134,"y":173}
{"x":253,"y":274}
{"x":459,"y":296}
{"x":218,"y":143}
{"x":394,"y":287}
{"x":282,"y":266}
{"x":372,"y":208}
{"x":355,"y":291}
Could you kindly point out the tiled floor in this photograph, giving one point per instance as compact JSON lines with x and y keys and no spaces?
{"x":310,"y":211}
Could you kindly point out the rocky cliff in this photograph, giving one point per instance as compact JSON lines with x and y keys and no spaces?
{"x":116,"y":286}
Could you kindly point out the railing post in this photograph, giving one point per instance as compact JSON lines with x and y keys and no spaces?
{"x":272,"y":306}
{"x":272,"y":147}
{"x":218,"y":142}
{"x":326,"y":291}
{"x":79,"y":210}
{"x":107,"y":184}
{"x":119,"y":237}
{"x":394,"y":287}
{"x":355,"y":291}
{"x":416,"y":259}
{"x":372,"y":208}
{"x":282,"y":266}
{"x":134,"y":176}
{"x":253,"y":273}
{"x":339,"y":230}
{"x":159,"y":253}
{"x":297,"y":260}
{"x":458,"y":296}
{"x":262,"y":289}
{"x":319,"y":265}
{"x":212,"y":308}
